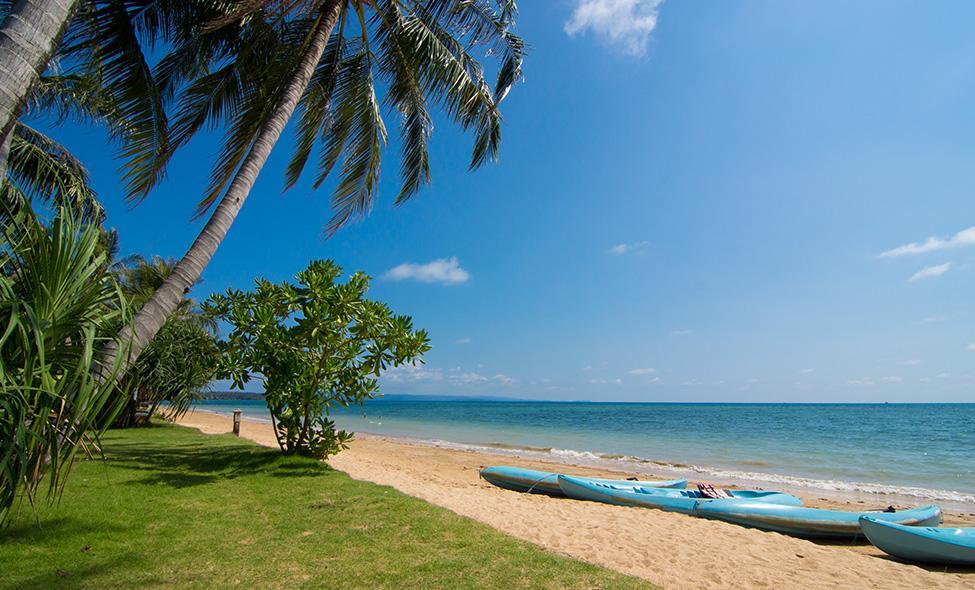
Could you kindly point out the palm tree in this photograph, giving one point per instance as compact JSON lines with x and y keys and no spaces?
{"x":29,"y":34}
{"x":181,"y":359}
{"x":254,"y":65}
{"x":116,"y":75}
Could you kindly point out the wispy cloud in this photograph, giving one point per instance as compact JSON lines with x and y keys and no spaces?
{"x":621,"y":249}
{"x":965,"y":237}
{"x":446,"y":271}
{"x":892,"y":379}
{"x":866,"y":381}
{"x":606,"y":381}
{"x":931,"y":271}
{"x":465,"y":340}
{"x":805,"y":371}
{"x":934,"y":319}
{"x":624,"y":24}
{"x":912,"y":362}
{"x":971,"y":347}
{"x":644,"y":371}
{"x":681,"y":332}
{"x":455,"y":376}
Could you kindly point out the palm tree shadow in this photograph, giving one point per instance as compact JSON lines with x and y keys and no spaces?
{"x":197,"y":463}
{"x":55,"y":577}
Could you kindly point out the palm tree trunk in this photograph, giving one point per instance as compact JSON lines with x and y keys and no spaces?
{"x":28,"y":37}
{"x":167,"y":297}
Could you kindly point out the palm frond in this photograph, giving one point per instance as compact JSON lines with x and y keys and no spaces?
{"x":42,"y":169}
{"x":110,"y":41}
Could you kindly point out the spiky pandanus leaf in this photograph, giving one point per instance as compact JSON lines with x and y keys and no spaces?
{"x":58,"y":305}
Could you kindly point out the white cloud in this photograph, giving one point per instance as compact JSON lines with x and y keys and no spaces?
{"x":465,"y":340}
{"x":912,"y":362}
{"x":645,"y":371}
{"x":805,"y":371}
{"x":965,"y":237}
{"x":412,"y":373}
{"x":625,"y":24}
{"x":931,"y":271}
{"x":935,"y":319}
{"x":654,"y":381}
{"x":455,"y":376}
{"x":444,"y":270}
{"x":681,"y":332}
{"x":503,"y":380}
{"x":892,"y":379}
{"x":971,"y":347}
{"x":621,"y":249}
{"x":606,"y":381}
{"x":942,"y":375}
{"x":866,"y":381}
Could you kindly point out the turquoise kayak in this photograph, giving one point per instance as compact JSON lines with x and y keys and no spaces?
{"x":809,"y":522}
{"x":683,"y":501}
{"x":943,"y":546}
{"x":542,"y":482}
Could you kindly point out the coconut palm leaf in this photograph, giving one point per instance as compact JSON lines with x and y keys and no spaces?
{"x":42,"y":169}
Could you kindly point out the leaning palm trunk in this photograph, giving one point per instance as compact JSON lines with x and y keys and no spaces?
{"x":167,"y":298}
{"x":28,"y":37}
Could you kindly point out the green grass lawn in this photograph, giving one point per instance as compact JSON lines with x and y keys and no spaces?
{"x":169,"y":507}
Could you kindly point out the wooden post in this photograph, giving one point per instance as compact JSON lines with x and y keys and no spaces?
{"x":237,"y":422}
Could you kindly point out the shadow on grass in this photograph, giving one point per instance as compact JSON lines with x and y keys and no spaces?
{"x":28,"y":529}
{"x":75,"y":577}
{"x":192,"y":463}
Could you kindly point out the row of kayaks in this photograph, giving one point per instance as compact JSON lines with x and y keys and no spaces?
{"x":908,"y":534}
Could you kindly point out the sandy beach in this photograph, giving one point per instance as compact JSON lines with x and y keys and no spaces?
{"x":671,"y":550}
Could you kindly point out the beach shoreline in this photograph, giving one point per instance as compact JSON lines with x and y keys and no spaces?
{"x":672,"y":550}
{"x":846,"y":495}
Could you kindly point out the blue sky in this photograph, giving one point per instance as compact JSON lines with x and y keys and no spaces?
{"x":696,"y":201}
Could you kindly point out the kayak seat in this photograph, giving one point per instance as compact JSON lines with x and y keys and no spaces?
{"x":708,"y":491}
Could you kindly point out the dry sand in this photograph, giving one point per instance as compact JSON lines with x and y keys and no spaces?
{"x":671,"y":550}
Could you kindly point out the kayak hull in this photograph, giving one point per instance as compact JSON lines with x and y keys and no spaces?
{"x":809,"y":522}
{"x":941,"y":546}
{"x":581,"y":489}
{"x":542,"y":482}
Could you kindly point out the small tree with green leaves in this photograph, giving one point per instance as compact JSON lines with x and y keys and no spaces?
{"x":315,"y":343}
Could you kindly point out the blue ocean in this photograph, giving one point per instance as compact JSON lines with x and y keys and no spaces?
{"x":916,"y":450}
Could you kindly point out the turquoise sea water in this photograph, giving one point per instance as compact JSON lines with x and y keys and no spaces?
{"x":917,"y":450}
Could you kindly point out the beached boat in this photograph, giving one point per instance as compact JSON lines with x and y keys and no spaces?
{"x":809,"y":522}
{"x":683,"y":501}
{"x":945,"y":546}
{"x":542,"y":482}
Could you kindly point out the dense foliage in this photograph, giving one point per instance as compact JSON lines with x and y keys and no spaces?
{"x":315,"y":343}
{"x":180,"y":361}
{"x":58,"y":304}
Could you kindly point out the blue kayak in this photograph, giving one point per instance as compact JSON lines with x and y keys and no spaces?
{"x":944,"y":546}
{"x":684,"y":501}
{"x":809,"y":522}
{"x":542,"y":482}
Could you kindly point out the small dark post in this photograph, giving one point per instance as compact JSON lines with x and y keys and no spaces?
{"x":237,"y":422}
